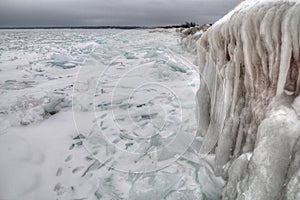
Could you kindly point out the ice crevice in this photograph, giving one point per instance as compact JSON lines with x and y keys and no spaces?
{"x":248,"y":101}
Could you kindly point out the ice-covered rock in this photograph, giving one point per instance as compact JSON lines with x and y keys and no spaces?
{"x":190,"y":36}
{"x":249,"y":65}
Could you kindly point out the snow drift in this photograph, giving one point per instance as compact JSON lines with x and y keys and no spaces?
{"x":248,"y":110}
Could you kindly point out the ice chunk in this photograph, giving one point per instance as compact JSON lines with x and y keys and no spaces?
{"x":17,"y":85}
{"x":64,"y":61}
{"x":153,"y":186}
{"x":55,"y":103}
{"x":101,"y":41}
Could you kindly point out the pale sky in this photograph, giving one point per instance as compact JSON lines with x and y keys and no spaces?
{"x":111,"y":12}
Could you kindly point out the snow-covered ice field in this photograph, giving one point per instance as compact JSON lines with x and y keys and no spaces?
{"x":99,"y":114}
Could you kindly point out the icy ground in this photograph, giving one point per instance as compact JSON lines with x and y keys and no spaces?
{"x":103,"y":114}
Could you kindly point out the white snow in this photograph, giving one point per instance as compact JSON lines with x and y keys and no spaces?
{"x":84,"y":114}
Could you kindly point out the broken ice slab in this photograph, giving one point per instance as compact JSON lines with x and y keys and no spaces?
{"x":152,"y":54}
{"x":125,"y":106}
{"x":153,"y":186}
{"x":145,"y":131}
{"x":175,"y":67}
{"x":65,"y":61}
{"x":95,"y":165}
{"x":149,"y":116}
{"x":101,"y":41}
{"x":16,"y":85}
{"x":104,"y":106}
{"x":130,"y":56}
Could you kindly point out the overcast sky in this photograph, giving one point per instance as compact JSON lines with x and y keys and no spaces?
{"x":111,"y":12}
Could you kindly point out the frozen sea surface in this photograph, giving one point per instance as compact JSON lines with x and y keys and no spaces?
{"x":99,"y":114}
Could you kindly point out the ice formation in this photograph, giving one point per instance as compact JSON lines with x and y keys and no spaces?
{"x":190,"y":37}
{"x":248,"y":106}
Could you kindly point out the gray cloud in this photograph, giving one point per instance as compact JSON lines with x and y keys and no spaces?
{"x":110,"y":12}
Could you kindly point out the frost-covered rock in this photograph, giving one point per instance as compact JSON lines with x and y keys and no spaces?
{"x":249,"y":65}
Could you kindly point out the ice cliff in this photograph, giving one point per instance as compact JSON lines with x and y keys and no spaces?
{"x":248,"y":101}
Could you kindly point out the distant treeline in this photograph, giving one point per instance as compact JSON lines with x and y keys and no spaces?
{"x":184,"y":25}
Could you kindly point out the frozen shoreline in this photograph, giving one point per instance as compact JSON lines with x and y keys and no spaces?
{"x":44,"y":94}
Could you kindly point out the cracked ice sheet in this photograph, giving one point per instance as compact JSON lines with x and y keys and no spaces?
{"x":133,"y":104}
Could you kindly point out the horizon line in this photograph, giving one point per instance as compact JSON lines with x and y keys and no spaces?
{"x":96,"y":27}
